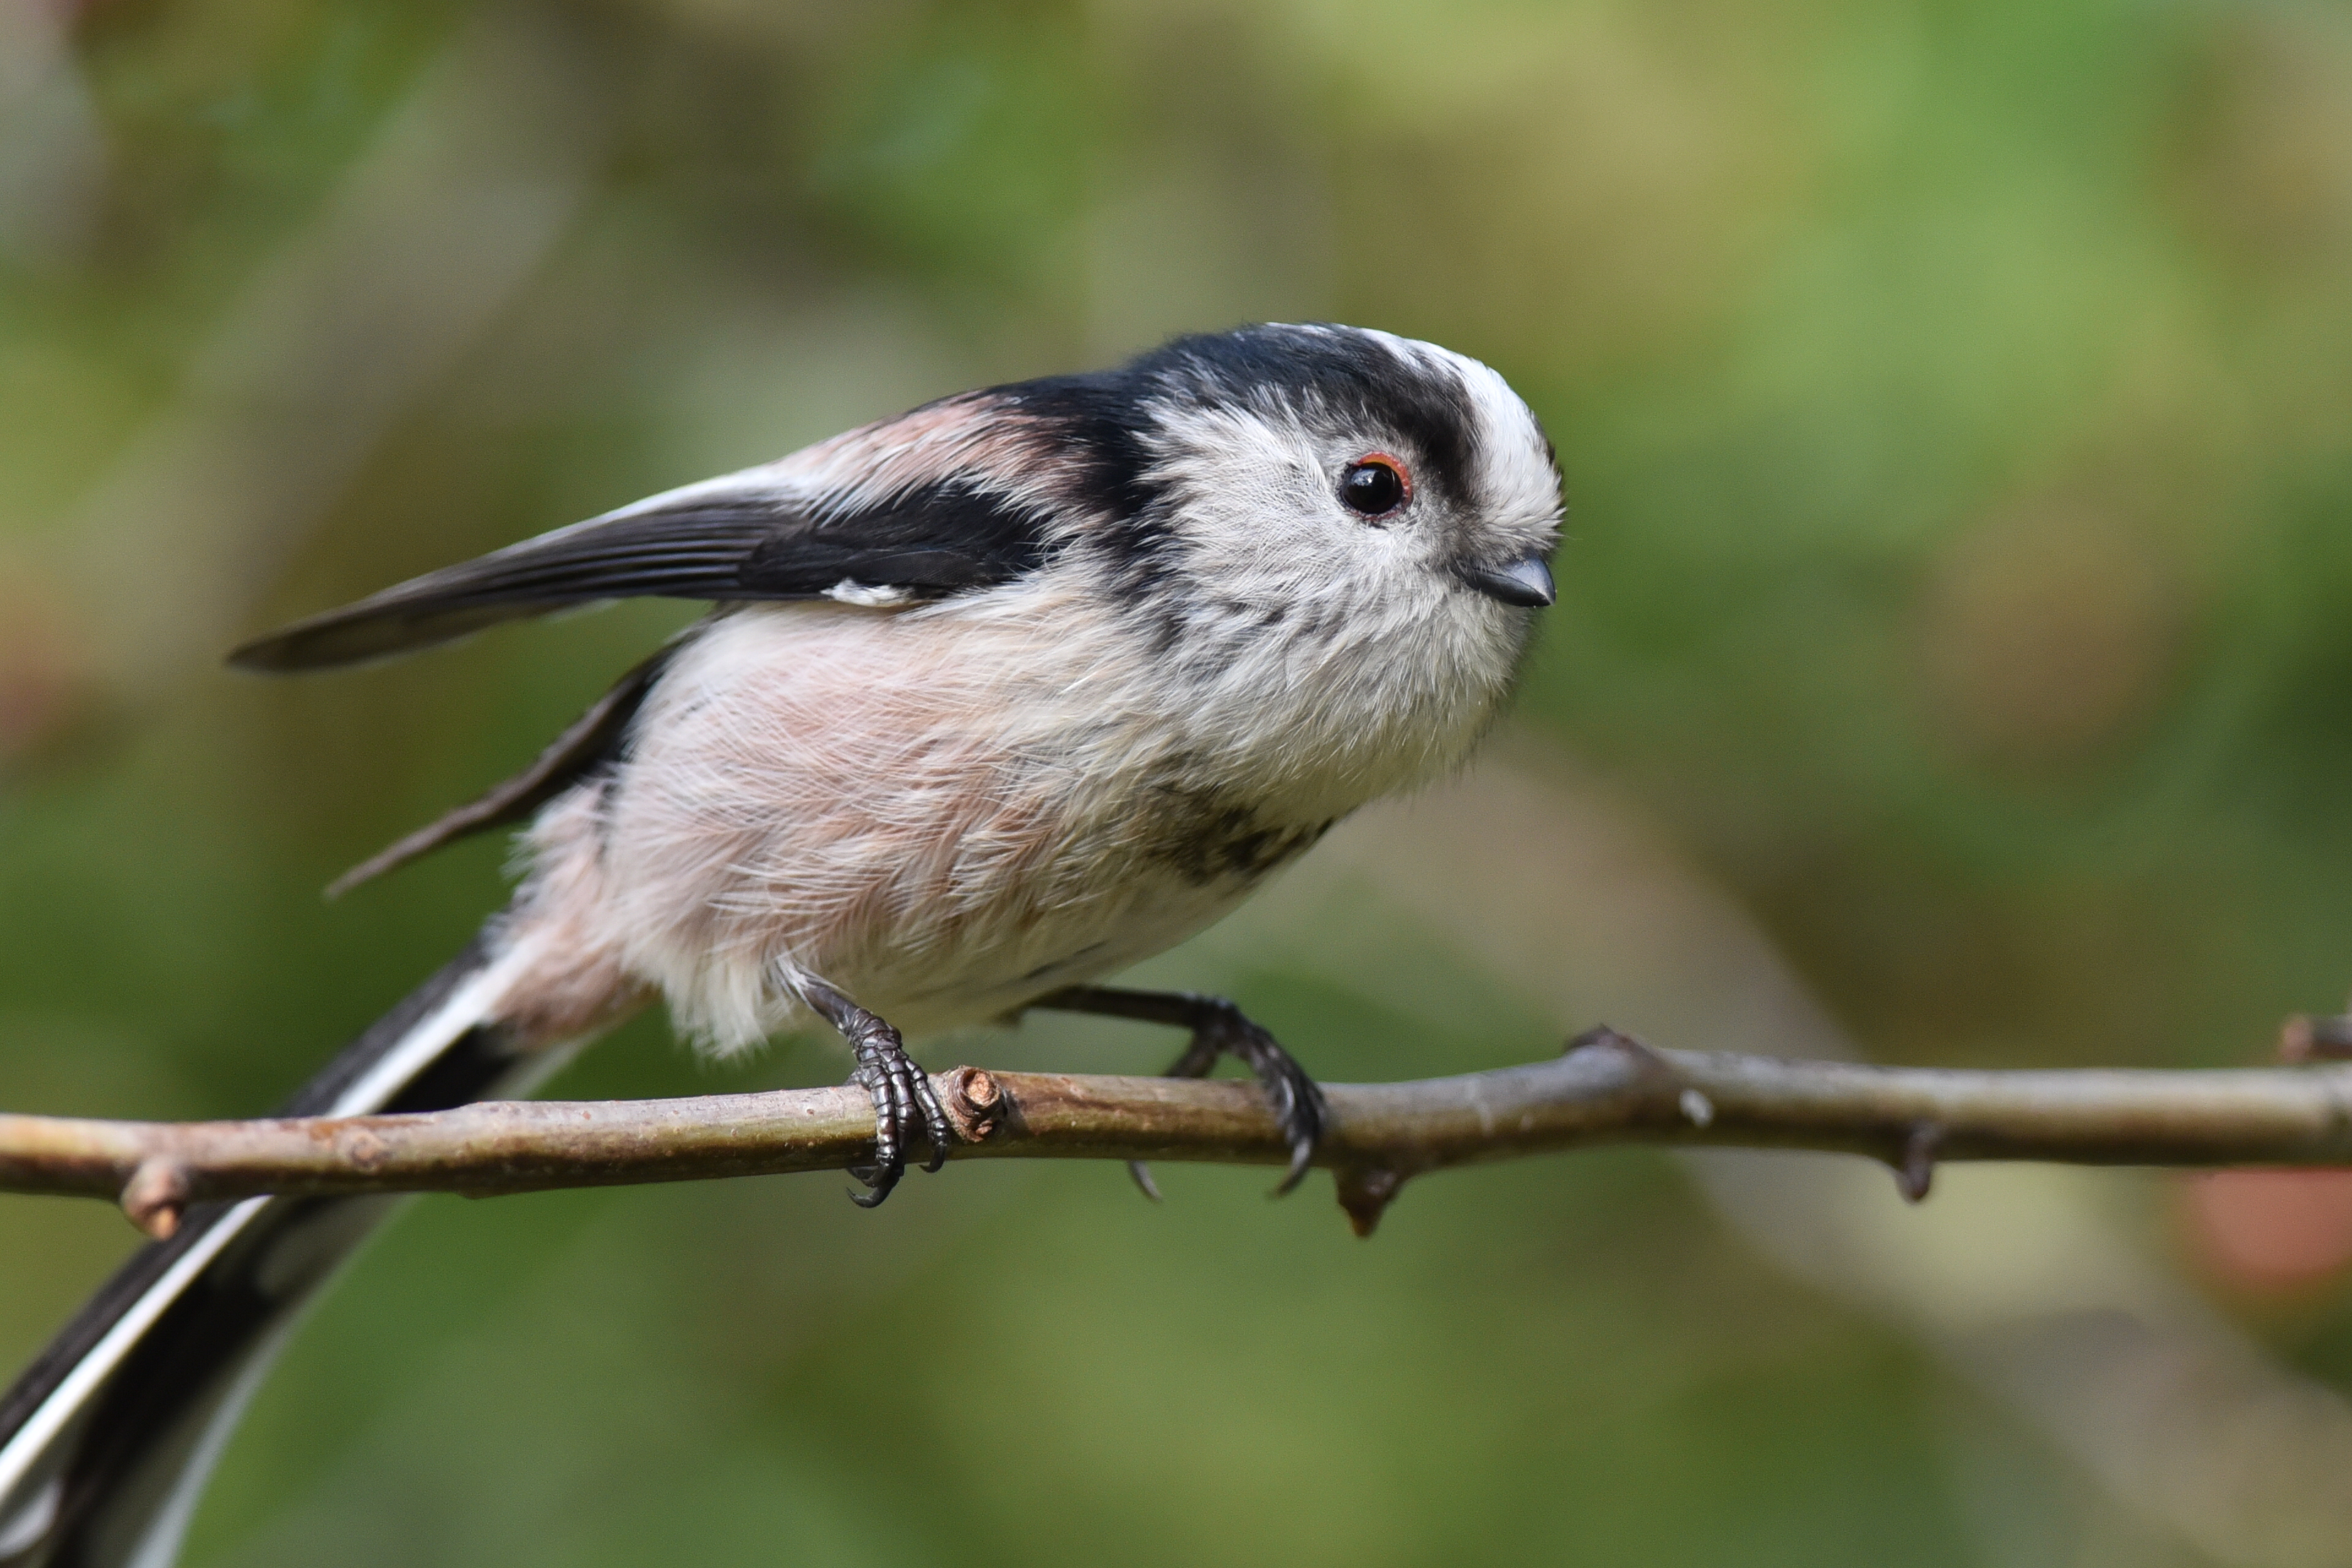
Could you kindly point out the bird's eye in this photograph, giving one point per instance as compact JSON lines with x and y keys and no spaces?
{"x":1374,"y":486}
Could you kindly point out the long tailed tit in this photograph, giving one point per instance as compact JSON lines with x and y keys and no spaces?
{"x":996,"y":698}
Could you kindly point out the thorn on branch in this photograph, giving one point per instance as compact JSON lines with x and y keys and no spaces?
{"x":155,"y":1197}
{"x":1366,"y":1192}
{"x":1655,"y":1079}
{"x":1650,"y":1065}
{"x":1917,"y":1172}
{"x":2317,"y":1037}
{"x":1601,"y":1036}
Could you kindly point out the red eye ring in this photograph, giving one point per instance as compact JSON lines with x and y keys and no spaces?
{"x":1375,"y":485}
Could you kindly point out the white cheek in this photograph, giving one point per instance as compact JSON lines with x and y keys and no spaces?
{"x":1256,"y":508}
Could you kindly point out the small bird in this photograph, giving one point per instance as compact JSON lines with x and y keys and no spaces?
{"x":995,"y":698}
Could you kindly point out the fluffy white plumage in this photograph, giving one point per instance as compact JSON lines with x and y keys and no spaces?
{"x":945,"y":810}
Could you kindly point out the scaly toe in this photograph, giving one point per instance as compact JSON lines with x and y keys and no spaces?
{"x":1302,"y":1160}
{"x":935,"y":1119}
{"x":889,"y":1118}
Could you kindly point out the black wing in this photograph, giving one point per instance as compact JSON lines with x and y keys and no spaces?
{"x":720,"y":541}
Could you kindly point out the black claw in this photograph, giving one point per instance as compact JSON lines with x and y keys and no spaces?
{"x":901,"y":1091}
{"x":1298,"y":1104}
{"x":1219,"y":1028}
{"x":936,"y":1125}
{"x":876,"y":1076}
{"x":1302,"y":1113}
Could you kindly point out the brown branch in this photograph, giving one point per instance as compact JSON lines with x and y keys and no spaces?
{"x":1607,"y":1088}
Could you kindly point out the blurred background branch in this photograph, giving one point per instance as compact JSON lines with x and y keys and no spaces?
{"x":429,"y":234}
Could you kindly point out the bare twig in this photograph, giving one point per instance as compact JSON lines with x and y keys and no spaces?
{"x":1607,"y":1088}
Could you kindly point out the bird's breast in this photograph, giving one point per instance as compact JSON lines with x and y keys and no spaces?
{"x":944,"y":812}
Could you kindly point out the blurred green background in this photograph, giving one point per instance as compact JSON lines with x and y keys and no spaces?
{"x":1953,"y":663}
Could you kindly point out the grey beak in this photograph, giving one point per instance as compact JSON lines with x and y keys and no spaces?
{"x":1526,"y":584}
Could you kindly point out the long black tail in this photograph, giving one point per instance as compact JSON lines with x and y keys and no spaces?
{"x":107,"y":1439}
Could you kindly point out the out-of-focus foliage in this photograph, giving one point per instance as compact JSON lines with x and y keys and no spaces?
{"x":1956,"y":405}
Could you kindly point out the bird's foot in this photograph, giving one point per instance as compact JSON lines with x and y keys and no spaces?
{"x":1219,"y":1028}
{"x":903,"y":1096}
